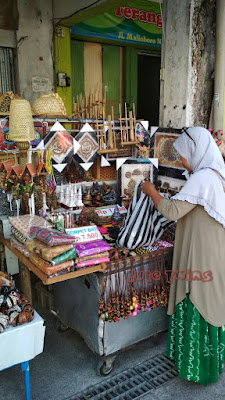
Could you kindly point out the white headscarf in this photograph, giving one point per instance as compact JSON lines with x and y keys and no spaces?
{"x":203,"y":187}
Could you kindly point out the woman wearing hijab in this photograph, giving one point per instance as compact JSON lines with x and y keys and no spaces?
{"x":196,"y":338}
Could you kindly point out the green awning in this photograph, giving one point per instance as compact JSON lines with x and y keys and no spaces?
{"x":90,"y":12}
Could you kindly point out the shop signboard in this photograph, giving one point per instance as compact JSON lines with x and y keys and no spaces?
{"x":84,"y":234}
{"x":108,"y":211}
{"x":138,"y":23}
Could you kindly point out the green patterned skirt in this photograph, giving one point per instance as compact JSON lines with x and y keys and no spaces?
{"x":197,"y":348}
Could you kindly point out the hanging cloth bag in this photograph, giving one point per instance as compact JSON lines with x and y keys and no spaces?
{"x":143,"y":224}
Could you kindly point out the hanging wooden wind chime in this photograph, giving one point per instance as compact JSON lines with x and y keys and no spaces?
{"x":106,"y":140}
{"x":127,"y":127}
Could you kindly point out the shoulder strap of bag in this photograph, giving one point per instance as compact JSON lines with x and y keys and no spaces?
{"x":219,"y":178}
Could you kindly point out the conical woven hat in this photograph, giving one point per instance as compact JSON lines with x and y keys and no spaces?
{"x":49,"y":105}
{"x":21,"y":126}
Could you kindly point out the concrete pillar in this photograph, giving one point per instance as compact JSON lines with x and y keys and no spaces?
{"x":34,"y":46}
{"x":187,"y":63}
{"x":218,"y":106}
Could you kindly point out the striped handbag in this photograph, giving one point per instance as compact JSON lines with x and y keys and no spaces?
{"x":143,"y":224}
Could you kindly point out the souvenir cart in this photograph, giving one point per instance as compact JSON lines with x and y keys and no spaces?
{"x":68,"y":190}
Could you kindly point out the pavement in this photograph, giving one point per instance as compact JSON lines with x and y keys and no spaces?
{"x":67,"y":366}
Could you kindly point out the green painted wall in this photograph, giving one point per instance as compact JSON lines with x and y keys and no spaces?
{"x":77,"y":68}
{"x":111,"y":77}
{"x":62,"y":53}
{"x":130,"y":77}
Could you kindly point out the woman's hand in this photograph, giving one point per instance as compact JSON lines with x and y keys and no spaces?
{"x":148,"y":188}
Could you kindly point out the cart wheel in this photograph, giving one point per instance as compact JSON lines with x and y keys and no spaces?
{"x":62,"y":328}
{"x":104,"y":368}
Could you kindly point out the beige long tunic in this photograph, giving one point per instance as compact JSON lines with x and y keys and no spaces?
{"x":199,"y":246}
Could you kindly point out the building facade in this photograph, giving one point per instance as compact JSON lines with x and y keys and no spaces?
{"x":171,"y":82}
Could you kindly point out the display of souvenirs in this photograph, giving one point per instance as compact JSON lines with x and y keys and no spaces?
{"x":24,"y":222}
{"x":73,"y":172}
{"x":19,"y":246}
{"x":82,"y":219}
{"x":87,"y":140}
{"x":50,"y":237}
{"x":159,"y":244}
{"x":128,"y":289}
{"x":91,"y":248}
{"x":87,"y":200}
{"x":49,"y":269}
{"x":46,"y":252}
{"x":95,"y":261}
{"x":108,"y":194}
{"x":97,"y":200}
{"x":71,"y":196}
{"x":117,"y":217}
{"x":61,"y":220}
{"x":87,"y":177}
{"x":51,"y":200}
{"x":14,"y":307}
{"x":132,"y":290}
{"x":93,"y":217}
{"x":95,"y":189}
{"x":5,"y":168}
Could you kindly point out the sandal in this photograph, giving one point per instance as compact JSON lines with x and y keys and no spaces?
{"x":18,"y":317}
{"x":13,"y":313}
{"x":117,"y":254}
{"x":22,"y":318}
{"x":22,"y":299}
{"x":28,"y":309}
{"x":113,"y":254}
{"x":9,"y":300}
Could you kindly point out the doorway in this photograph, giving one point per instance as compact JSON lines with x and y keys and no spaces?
{"x":148,"y":88}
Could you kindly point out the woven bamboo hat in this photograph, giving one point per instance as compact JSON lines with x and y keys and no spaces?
{"x":21,"y":126}
{"x":49,"y":105}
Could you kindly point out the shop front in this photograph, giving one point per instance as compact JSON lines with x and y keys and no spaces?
{"x":116,"y":53}
{"x":73,"y":213}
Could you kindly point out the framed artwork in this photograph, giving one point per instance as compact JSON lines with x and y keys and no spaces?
{"x":164,"y":150}
{"x":131,"y":172}
{"x":61,"y":145}
{"x":88,"y":147}
{"x":170,"y":185}
{"x":170,"y":171}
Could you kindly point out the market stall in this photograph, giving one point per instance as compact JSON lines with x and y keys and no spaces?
{"x":76,"y":211}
